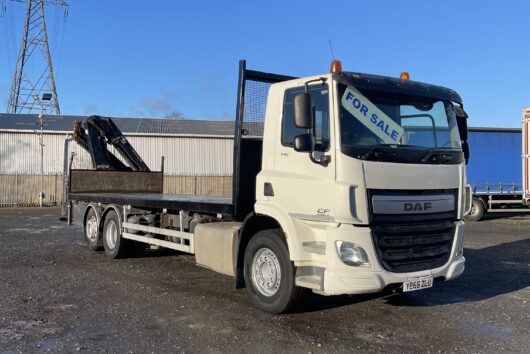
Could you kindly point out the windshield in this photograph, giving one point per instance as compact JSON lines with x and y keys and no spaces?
{"x":370,"y":121}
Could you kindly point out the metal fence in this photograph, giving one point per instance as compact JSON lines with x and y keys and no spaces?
{"x":23,"y":189}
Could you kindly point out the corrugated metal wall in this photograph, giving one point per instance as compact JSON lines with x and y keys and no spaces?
{"x":185,"y":156}
{"x":20,"y":153}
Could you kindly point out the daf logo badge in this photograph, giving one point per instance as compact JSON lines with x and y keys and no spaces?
{"x":417,"y":206}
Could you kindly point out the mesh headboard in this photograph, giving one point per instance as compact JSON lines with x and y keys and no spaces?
{"x":256,"y":90}
{"x":256,"y":93}
{"x":253,"y":90}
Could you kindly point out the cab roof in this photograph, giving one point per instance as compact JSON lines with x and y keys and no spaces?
{"x":397,"y":86}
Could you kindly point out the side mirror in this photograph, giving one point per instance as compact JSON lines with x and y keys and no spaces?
{"x":462,"y":127}
{"x":461,"y":121}
{"x":465,"y":150}
{"x":303,"y":143}
{"x":459,"y":111}
{"x":303,"y":111}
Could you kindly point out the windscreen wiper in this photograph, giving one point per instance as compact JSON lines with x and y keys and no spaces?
{"x":372,"y":150}
{"x":433,"y":154}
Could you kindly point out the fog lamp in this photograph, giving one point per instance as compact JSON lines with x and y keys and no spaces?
{"x":352,"y":254}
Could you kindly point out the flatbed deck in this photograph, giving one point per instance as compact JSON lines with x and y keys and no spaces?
{"x":174,"y":202}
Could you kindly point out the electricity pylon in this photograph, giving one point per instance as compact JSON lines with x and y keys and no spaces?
{"x":34,"y":71}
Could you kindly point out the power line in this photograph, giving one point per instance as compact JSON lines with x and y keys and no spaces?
{"x":7,"y":16}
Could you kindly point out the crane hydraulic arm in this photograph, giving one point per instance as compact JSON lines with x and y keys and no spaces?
{"x":95,"y":133}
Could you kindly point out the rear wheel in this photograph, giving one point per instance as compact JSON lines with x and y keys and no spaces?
{"x":115,"y":246}
{"x":477,"y":210}
{"x":269,"y":273}
{"x":92,"y":234}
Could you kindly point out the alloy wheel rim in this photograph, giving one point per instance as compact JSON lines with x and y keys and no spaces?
{"x":92,"y":229}
{"x":111,"y":234}
{"x":266,"y":272}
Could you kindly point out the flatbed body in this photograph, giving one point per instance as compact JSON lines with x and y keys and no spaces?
{"x":171,"y":202}
{"x":142,"y":190}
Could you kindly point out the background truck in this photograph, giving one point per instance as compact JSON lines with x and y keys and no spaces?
{"x":495,"y":172}
{"x":343,"y":183}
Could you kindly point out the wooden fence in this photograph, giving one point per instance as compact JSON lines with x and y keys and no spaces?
{"x":23,"y":190}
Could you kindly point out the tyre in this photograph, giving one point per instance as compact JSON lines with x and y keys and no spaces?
{"x":269,"y":273}
{"x":477,"y":210}
{"x":115,"y":246}
{"x":92,"y":234}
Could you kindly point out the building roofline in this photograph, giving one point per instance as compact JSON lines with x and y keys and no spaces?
{"x":64,"y":132}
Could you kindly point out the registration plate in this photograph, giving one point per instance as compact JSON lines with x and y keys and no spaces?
{"x":422,"y":283}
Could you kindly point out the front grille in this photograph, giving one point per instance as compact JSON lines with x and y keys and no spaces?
{"x":411,"y":217}
{"x":414,"y":247}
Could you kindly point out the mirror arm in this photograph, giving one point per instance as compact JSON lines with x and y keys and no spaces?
{"x":311,"y":131}
{"x":324,"y":159}
{"x":323,"y":79}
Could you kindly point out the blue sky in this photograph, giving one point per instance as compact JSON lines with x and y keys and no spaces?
{"x":147,"y":58}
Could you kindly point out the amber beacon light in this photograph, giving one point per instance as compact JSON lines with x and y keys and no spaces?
{"x":336,"y":66}
{"x":404,"y":76}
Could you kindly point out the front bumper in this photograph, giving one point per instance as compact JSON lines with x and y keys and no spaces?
{"x":337,"y":282}
{"x":338,"y":278}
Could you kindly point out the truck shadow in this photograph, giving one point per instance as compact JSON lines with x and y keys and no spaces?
{"x":155,"y":253}
{"x":491,"y":271}
{"x":496,"y":216}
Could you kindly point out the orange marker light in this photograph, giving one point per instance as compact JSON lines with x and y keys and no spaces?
{"x":336,"y":66}
{"x":404,"y":76}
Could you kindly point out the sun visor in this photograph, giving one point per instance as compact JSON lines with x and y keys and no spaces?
{"x":384,"y":84}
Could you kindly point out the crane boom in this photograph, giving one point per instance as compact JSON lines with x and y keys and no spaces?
{"x":95,"y":133}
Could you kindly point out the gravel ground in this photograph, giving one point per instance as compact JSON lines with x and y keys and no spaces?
{"x":58,"y":296}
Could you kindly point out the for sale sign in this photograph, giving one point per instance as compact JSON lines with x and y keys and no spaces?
{"x":372,"y":117}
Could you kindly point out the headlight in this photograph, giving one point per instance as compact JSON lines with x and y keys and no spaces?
{"x":352,"y":255}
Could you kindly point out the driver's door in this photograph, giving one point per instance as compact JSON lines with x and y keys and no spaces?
{"x":303,"y":187}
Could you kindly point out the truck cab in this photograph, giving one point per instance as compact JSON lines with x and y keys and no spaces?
{"x":366,"y":177}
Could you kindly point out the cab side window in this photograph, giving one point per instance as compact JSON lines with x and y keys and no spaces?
{"x":320,"y":97}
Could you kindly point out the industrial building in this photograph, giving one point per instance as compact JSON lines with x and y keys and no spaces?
{"x":197,"y":154}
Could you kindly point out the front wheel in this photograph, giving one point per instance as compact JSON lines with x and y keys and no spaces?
{"x":269,"y":273}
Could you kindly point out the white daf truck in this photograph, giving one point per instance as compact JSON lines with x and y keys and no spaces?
{"x":343,"y":183}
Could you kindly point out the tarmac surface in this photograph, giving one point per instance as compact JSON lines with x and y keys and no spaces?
{"x":57,"y":296}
